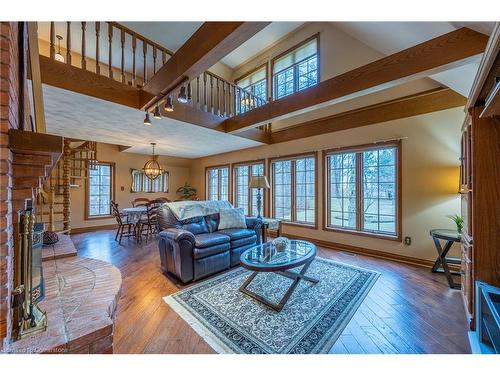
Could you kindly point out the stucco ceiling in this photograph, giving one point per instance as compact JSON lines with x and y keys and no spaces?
{"x":83,"y":117}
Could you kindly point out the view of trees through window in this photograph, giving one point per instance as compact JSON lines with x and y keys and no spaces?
{"x":99,"y":190}
{"x":294,"y":190}
{"x":245,"y":197}
{"x":362,"y":190}
{"x":218,"y":183}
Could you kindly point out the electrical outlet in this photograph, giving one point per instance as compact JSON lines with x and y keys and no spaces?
{"x":407,"y":241}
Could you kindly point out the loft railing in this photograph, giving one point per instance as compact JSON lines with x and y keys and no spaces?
{"x":114,"y":51}
{"x":214,"y":94}
{"x":105,"y":48}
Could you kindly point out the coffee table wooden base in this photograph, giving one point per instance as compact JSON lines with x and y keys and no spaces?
{"x":295,"y":276}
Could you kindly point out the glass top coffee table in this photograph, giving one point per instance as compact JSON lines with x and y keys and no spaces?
{"x":267,"y":258}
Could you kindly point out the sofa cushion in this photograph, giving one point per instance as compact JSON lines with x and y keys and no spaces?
{"x":210,"y":239}
{"x":244,"y":241}
{"x":212,"y":222}
{"x":232,"y":218}
{"x":199,"y":253}
{"x":237,"y":233}
{"x":195,"y":225}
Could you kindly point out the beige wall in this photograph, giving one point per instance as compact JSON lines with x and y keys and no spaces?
{"x":341,"y":51}
{"x":430,"y":160}
{"x":178,"y":169}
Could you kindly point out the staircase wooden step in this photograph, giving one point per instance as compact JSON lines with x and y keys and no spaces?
{"x":30,"y":159}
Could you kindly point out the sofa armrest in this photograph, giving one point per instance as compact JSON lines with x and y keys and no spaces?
{"x":176,"y":248}
{"x":176,"y":234}
{"x":255,"y":223}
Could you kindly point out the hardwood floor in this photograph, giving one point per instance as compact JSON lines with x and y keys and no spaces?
{"x":409,"y":309}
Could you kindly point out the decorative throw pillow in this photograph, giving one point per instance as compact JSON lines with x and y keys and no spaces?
{"x":231,"y":218}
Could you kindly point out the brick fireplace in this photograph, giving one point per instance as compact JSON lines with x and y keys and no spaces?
{"x":9,"y":119}
{"x":26,"y":160}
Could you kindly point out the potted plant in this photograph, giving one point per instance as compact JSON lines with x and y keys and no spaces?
{"x":187,"y":192}
{"x":459,"y":222}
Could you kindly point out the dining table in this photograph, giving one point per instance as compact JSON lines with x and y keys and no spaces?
{"x":134,"y":216}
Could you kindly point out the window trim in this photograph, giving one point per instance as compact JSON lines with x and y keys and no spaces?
{"x":252,"y":71}
{"x":286,"y":52}
{"x":229,"y":187}
{"x":398,"y":185}
{"x":248,"y":163}
{"x":271,"y":208}
{"x":87,"y":193}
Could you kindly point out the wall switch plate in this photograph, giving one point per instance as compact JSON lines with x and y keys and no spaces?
{"x":407,"y":241}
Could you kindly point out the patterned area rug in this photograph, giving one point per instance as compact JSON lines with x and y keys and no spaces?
{"x":311,"y":321}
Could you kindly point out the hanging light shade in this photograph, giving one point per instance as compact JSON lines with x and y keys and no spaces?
{"x":156,"y":113}
{"x":182,"y":97}
{"x":169,"y":106}
{"x":147,"y":121}
{"x":152,"y":168}
{"x":58,"y":56}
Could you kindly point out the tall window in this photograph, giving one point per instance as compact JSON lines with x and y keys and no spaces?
{"x":245,"y":197}
{"x":100,"y":190}
{"x":362,"y":189}
{"x":254,"y":83}
{"x":143,"y":184}
{"x":217,"y":183}
{"x":296,"y":70}
{"x":294,"y":189}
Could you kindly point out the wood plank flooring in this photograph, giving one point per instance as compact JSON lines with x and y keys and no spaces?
{"x":408,"y":310}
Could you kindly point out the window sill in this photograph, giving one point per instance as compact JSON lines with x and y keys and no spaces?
{"x":396,"y":238}
{"x":99,"y":217}
{"x":303,"y":225}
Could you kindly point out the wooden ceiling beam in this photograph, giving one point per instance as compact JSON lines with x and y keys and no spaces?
{"x":207,"y":46}
{"x":412,"y":105}
{"x":435,"y":55}
{"x":67,"y":77}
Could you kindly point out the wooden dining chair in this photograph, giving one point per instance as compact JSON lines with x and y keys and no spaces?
{"x":137,"y":202}
{"x":125,"y":229}
{"x":149,"y":225}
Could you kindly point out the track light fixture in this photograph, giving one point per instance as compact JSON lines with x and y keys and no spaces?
{"x":156,"y":113}
{"x":169,"y":106}
{"x":147,"y":121}
{"x":182,"y":97}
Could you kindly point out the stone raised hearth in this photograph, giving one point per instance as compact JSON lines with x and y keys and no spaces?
{"x":81,"y":295}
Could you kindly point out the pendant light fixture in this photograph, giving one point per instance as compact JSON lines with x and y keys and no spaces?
{"x":169,"y":106}
{"x":182,"y":97}
{"x":156,"y":113}
{"x":152,"y":168}
{"x":58,"y":56}
{"x":189,"y":92}
{"x":147,"y":121}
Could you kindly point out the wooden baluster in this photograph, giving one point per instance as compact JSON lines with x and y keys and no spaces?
{"x":68,"y":43}
{"x":97,"y":32}
{"x":218,"y":97}
{"x":198,"y":92}
{"x":110,"y":50}
{"x":134,"y":46}
{"x":163,"y":57}
{"x":229,"y":110}
{"x":212,"y":108}
{"x":122,"y":40}
{"x":154,"y":59}
{"x":52,"y":40}
{"x":224,"y":97}
{"x":205,"y":108}
{"x":84,"y":60}
{"x":145,"y":53}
